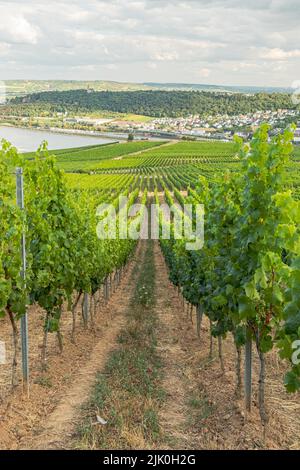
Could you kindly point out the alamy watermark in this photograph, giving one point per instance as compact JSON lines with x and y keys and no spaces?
{"x":296,"y":93}
{"x":296,"y":353}
{"x":143,"y":222}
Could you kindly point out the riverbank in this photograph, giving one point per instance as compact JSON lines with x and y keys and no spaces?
{"x":27,"y":139}
{"x":58,"y":130}
{"x":121,"y":136}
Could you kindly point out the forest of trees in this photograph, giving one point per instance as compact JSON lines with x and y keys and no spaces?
{"x":149,"y":103}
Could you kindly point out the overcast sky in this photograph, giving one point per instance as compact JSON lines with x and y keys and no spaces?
{"x":229,"y":42}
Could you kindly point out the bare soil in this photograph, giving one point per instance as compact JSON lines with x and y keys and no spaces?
{"x":200,"y":410}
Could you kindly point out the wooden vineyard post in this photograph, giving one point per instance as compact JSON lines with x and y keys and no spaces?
{"x":106,"y":290}
{"x":24,"y":318}
{"x":100,"y":297}
{"x":248,"y":369}
{"x":199,"y":319}
{"x":111,"y":286}
{"x":85,"y":309}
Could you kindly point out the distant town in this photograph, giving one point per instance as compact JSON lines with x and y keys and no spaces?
{"x":193,"y":127}
{"x":220,"y":127}
{"x":215,"y":127}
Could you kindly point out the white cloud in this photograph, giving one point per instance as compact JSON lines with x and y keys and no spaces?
{"x":222,"y":41}
{"x":204,"y":72}
{"x":245,"y":66}
{"x":152,"y":65}
{"x":15,"y":28}
{"x":279,"y":54}
{"x":4,"y":49}
{"x":112,"y":67}
{"x":165,"y":55}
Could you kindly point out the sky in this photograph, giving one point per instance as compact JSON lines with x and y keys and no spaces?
{"x":228,"y":42}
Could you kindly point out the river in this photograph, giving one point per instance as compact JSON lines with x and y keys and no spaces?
{"x":28,"y":140}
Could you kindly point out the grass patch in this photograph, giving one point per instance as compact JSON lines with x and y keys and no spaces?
{"x":136,"y":118}
{"x":44,"y":381}
{"x":128,"y":393}
{"x":200,"y":409}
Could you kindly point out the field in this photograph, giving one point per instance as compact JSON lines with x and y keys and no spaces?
{"x":143,"y":344}
{"x":25,"y":87}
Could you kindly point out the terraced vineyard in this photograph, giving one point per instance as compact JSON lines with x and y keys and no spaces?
{"x":153,"y":164}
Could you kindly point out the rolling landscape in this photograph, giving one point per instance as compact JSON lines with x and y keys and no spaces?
{"x":149,"y":234}
{"x":17,"y":88}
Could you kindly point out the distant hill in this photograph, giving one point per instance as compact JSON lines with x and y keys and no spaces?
{"x":25,"y":87}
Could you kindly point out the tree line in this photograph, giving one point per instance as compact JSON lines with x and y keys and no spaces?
{"x":152,"y":103}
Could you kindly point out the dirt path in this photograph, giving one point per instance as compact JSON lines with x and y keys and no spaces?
{"x":150,"y":149}
{"x":47,"y":418}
